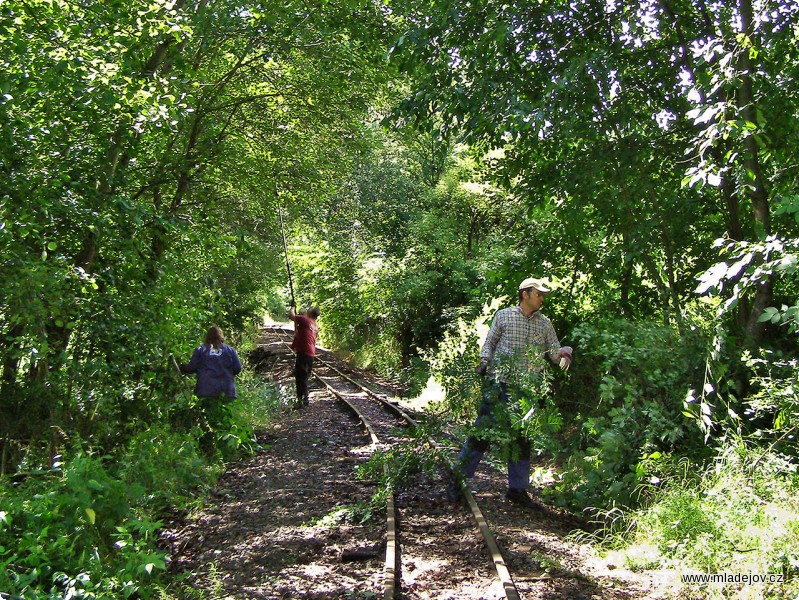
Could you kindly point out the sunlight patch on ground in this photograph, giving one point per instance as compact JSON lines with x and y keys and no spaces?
{"x":316,"y":580}
{"x":545,"y":476}
{"x":416,"y":567}
{"x":639,"y":564}
{"x":469,"y":590}
{"x":270,"y":321}
{"x":367,"y":450}
{"x":313,"y":571}
{"x":433,"y":392}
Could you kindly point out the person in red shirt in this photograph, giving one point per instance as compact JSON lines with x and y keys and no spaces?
{"x":304,"y":345}
{"x":293,"y":345}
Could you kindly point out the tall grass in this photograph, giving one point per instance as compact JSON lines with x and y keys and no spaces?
{"x":738,"y":516}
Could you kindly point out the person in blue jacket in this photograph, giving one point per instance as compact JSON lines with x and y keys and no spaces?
{"x":216,"y":365}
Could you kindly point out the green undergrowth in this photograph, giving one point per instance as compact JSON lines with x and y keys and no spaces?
{"x":677,"y":441}
{"x":86,"y":525}
{"x":737,"y":517}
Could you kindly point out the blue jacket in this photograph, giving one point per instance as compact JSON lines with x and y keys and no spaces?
{"x":215,"y":371}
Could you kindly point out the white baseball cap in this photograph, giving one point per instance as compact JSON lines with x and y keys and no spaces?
{"x":532,"y":282}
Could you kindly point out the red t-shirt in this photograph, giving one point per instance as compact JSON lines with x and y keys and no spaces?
{"x":306,"y":333}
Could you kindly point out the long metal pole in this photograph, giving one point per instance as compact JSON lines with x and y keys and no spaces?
{"x":286,"y":251}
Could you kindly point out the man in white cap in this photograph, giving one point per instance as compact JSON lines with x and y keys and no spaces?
{"x":515,"y":334}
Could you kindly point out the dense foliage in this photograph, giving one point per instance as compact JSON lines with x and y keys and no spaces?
{"x":638,"y":155}
{"x":145,"y":146}
{"x":425,"y":156}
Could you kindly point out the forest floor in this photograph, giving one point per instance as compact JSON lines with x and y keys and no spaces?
{"x":288,"y":523}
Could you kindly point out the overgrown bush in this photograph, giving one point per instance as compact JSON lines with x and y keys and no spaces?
{"x":739,"y":515}
{"x":73,"y":532}
{"x":611,"y":422}
{"x":167,"y":465}
{"x":624,"y":405}
{"x":752,"y":393}
{"x":259,"y":401}
{"x":452,"y":364}
{"x":88,"y":526}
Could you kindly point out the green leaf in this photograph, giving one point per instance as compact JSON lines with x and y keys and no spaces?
{"x":155,"y":564}
{"x":768,"y":315}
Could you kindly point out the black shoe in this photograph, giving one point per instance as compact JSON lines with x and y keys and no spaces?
{"x":522,"y":498}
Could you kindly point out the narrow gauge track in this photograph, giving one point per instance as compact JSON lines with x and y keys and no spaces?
{"x":433,"y":549}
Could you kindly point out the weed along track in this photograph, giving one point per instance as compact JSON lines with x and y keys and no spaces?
{"x":301,"y":519}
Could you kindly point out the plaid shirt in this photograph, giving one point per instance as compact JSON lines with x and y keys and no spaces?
{"x":514,"y":335}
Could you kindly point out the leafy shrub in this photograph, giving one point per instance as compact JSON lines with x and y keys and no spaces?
{"x":167,"y":465}
{"x":452,"y":364}
{"x":257,"y":404}
{"x":624,"y":402}
{"x":87,"y":529}
{"x":771,"y":407}
{"x":616,"y":415}
{"x":73,"y":533}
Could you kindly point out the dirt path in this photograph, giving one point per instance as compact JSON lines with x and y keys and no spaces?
{"x":286,"y":523}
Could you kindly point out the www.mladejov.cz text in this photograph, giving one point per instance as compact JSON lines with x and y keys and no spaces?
{"x":745,"y":578}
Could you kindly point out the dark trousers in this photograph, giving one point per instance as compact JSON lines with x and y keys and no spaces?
{"x":494,"y":395}
{"x":302,"y":372}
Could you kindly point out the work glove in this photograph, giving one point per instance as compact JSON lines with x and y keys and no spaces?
{"x":482,"y":367}
{"x":565,"y":357}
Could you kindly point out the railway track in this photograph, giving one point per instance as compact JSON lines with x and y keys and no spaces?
{"x":433,"y":549}
{"x":294,"y":520}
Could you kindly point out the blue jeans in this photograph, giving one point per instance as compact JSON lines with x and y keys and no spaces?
{"x":494,"y":395}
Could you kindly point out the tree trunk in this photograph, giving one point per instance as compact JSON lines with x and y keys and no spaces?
{"x":757,"y":190}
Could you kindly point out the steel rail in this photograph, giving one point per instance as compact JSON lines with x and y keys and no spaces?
{"x":509,"y":587}
{"x":392,"y":553}
{"x":392,"y":550}
{"x":497,"y":560}
{"x":372,"y":394}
